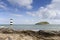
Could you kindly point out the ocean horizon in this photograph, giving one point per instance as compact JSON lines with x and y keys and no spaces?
{"x":55,"y":27}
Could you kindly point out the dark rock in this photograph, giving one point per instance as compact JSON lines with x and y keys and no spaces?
{"x":46,"y":34}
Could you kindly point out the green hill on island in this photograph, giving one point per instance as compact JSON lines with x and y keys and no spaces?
{"x":41,"y":23}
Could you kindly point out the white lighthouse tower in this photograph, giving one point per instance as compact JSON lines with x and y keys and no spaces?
{"x":11,"y":21}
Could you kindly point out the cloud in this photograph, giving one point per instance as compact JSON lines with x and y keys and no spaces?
{"x":3,"y":5}
{"x":24,"y":3}
{"x":17,"y":15}
{"x":51,"y":11}
{"x":30,"y":13}
{"x":54,"y":21}
{"x":28,"y":21}
{"x":4,"y":21}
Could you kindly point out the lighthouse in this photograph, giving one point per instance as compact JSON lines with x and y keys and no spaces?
{"x":11,"y":21}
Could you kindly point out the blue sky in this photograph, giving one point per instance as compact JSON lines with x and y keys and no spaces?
{"x":29,"y":11}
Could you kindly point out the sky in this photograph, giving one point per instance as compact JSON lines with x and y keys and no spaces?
{"x":29,"y":11}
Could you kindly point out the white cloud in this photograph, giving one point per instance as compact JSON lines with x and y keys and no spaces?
{"x":17,"y":15}
{"x":24,"y":3}
{"x":27,"y":21}
{"x":51,"y":11}
{"x":30,"y":13}
{"x":54,"y":21}
{"x":3,"y":5}
{"x":29,"y":7}
{"x":4,"y":21}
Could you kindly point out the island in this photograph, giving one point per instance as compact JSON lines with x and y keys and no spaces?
{"x":42,"y":23}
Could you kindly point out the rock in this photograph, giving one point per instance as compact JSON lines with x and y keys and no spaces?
{"x":8,"y":38}
{"x":10,"y":34}
{"x":45,"y":33}
{"x":6,"y":30}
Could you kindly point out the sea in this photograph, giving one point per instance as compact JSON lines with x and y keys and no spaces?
{"x":55,"y":27}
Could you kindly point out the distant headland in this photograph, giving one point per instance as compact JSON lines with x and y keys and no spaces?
{"x":42,"y":23}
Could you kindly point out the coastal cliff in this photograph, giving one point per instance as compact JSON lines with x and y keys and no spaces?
{"x":29,"y":35}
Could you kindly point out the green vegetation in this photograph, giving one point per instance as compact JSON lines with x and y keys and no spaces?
{"x":42,"y":23}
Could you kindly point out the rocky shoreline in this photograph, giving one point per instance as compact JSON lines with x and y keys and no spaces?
{"x":9,"y":34}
